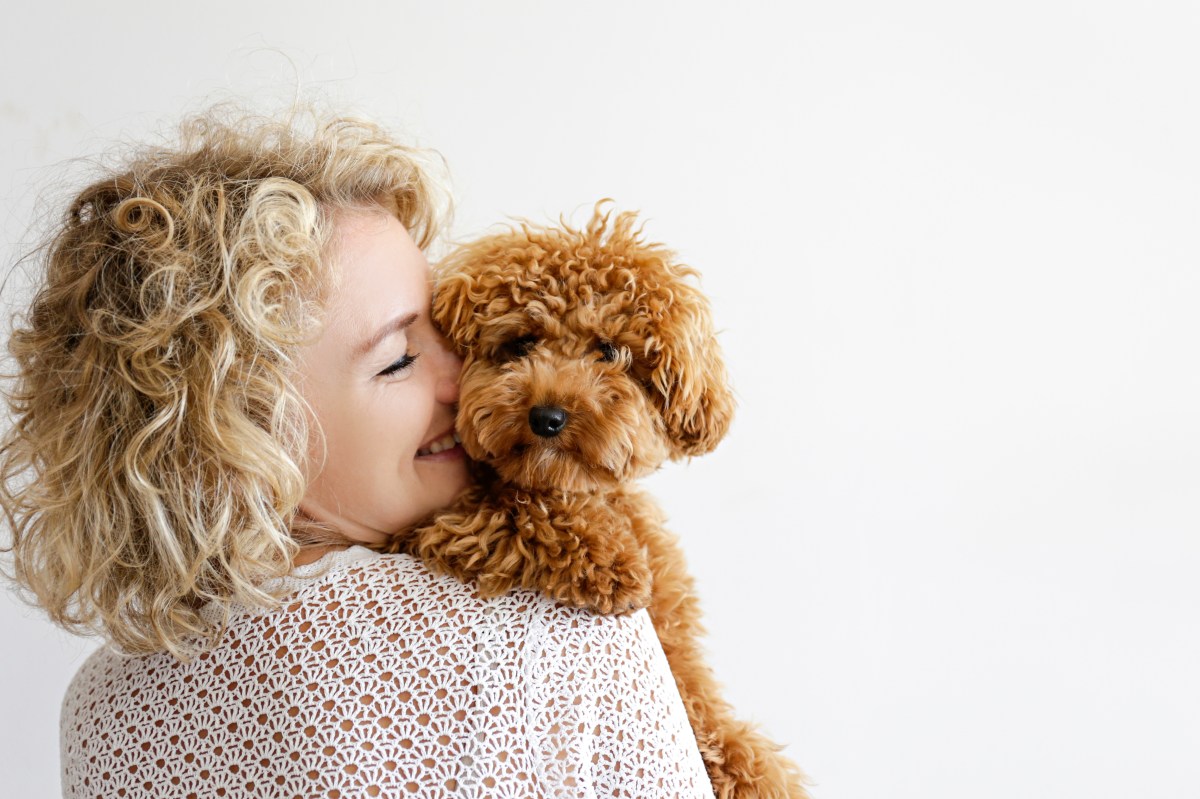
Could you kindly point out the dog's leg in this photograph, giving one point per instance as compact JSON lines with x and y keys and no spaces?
{"x":571,"y":548}
{"x":742,"y":763}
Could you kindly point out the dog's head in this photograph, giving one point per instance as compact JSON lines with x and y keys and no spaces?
{"x":588,"y":355}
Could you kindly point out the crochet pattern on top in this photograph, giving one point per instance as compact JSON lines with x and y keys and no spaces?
{"x":380,"y":678}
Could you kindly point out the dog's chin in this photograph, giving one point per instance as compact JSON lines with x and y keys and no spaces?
{"x":548,"y":468}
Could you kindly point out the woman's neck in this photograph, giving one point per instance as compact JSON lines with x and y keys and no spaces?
{"x":314,"y":553}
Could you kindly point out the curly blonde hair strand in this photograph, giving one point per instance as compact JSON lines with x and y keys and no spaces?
{"x":154,"y":465}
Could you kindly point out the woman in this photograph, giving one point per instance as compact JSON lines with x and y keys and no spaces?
{"x":228,"y":384}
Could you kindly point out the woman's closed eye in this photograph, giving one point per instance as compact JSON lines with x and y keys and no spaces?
{"x":401,"y":365}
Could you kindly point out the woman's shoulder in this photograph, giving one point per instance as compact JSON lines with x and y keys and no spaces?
{"x":371,"y":594}
{"x":373,"y":652}
{"x":342,"y":612}
{"x":357,"y":598}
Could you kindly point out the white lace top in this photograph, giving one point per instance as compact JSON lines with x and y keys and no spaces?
{"x":381,"y":678}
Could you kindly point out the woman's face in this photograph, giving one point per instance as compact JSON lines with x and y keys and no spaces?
{"x":383,"y":385}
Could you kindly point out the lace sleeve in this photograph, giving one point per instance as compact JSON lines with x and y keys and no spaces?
{"x":606,"y":716}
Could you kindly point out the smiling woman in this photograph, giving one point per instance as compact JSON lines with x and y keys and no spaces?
{"x":230,"y":357}
{"x":383,"y":400}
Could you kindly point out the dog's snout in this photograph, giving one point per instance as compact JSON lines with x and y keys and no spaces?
{"x":547,"y":421}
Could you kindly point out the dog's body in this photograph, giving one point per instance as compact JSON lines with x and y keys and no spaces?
{"x":589,"y":359}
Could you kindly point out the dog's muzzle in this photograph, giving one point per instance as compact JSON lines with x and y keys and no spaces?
{"x":547,"y":421}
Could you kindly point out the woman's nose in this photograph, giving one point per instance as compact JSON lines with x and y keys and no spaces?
{"x":449,"y":370}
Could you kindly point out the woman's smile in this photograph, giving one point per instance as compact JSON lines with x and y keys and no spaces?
{"x":445,"y":447}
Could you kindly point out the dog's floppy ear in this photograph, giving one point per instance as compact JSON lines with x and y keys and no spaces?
{"x":683,"y":369}
{"x":688,"y":381}
{"x":452,"y":311}
{"x":455,"y":294}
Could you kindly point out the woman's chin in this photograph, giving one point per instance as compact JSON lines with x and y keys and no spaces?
{"x":443,"y":478}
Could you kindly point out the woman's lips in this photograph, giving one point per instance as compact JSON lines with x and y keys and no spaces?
{"x":454,"y":453}
{"x":444,"y":447}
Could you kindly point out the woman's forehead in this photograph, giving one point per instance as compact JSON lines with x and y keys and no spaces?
{"x":382,"y":273}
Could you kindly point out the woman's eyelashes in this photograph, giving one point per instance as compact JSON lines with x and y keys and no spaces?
{"x":400,"y":365}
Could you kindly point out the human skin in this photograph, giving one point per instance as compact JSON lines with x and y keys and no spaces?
{"x":382,"y":409}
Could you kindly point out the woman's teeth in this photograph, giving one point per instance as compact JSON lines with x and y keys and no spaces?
{"x":441,"y":445}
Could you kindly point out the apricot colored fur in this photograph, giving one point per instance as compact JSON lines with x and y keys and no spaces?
{"x":607,"y":328}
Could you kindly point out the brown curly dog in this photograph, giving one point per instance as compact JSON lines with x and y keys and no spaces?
{"x":589,"y":359}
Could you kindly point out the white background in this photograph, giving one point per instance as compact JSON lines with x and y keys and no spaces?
{"x":949,"y":548}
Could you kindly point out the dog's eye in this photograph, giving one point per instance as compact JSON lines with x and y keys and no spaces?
{"x":518,"y":347}
{"x":607,"y":351}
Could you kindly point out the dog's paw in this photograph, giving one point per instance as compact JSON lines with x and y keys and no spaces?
{"x":621,"y":586}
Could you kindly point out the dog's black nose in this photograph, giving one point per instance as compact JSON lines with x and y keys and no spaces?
{"x":547,"y":421}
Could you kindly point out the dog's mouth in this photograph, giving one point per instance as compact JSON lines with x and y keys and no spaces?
{"x":523,"y":448}
{"x":546,"y":464}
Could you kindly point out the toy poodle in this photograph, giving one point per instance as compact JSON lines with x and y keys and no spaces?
{"x":589,"y":359}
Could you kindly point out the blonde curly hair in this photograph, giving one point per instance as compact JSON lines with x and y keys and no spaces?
{"x":156,"y":461}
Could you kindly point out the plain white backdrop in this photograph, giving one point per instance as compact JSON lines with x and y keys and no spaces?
{"x":950,"y":546}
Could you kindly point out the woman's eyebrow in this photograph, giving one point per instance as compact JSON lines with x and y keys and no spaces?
{"x":397,"y":324}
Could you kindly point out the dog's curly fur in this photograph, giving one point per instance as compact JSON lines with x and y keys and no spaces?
{"x":589,"y":359}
